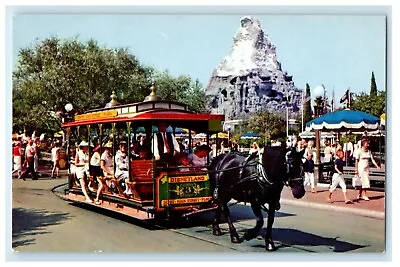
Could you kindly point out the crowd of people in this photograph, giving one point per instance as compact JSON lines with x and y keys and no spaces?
{"x":357,"y":155}
{"x":98,"y":170}
{"x":26,"y":153}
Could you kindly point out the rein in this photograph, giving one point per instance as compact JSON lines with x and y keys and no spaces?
{"x":233,"y":168}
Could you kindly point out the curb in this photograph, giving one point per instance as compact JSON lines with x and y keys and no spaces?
{"x":366,"y":213}
{"x":362,"y":212}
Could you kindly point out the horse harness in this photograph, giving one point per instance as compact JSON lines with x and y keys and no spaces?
{"x":259,"y":175}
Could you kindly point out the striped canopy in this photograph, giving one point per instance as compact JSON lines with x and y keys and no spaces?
{"x":250,"y":135}
{"x":344,"y":120}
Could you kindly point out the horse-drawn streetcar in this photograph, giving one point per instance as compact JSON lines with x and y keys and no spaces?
{"x":155,"y":183}
{"x":152,"y":178}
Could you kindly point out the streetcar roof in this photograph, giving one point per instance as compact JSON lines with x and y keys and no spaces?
{"x":171,"y":114}
{"x":151,"y":110}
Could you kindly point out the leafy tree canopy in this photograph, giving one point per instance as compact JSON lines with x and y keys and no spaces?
{"x":374,"y":105}
{"x":55,"y":72}
{"x":264,"y":122}
{"x":181,"y":89}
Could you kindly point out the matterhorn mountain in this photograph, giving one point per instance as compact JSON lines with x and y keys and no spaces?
{"x":250,"y":78}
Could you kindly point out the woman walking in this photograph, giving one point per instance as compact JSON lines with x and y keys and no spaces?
{"x":362,"y":157}
{"x":17,"y":156}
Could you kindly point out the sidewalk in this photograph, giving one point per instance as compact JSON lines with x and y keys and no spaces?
{"x":375,"y":207}
{"x":43,"y":172}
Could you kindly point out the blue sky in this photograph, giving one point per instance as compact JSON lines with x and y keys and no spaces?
{"x":339,"y":51}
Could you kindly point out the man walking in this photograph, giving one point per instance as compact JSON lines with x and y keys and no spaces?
{"x":29,"y":161}
{"x":348,"y":151}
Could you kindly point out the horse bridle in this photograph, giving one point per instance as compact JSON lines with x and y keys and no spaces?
{"x":290,"y":167}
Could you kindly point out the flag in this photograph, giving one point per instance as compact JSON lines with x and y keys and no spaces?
{"x":346,"y":96}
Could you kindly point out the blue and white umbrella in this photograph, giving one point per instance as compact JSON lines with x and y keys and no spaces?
{"x":344,"y":120}
{"x":250,"y":135}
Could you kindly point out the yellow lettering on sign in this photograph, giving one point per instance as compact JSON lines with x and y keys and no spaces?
{"x":184,"y":201}
{"x":96,"y":115}
{"x":187,"y":179}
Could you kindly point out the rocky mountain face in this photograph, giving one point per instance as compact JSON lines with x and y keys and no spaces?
{"x":250,"y":78}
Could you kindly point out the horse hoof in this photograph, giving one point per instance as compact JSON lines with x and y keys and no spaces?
{"x":235,"y":239}
{"x":217,"y":232}
{"x":270,"y":247}
{"x":248,"y":236}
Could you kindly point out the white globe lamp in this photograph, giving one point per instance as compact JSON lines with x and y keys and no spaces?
{"x":319,"y":91}
{"x":68,"y":107}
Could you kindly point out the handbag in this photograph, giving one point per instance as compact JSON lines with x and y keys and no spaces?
{"x":356,"y":181}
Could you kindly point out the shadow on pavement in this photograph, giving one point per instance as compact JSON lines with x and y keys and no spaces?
{"x":27,"y":223}
{"x":238,"y":213}
{"x":292,"y":237}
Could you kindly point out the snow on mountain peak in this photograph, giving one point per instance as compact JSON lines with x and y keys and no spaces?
{"x":251,"y":51}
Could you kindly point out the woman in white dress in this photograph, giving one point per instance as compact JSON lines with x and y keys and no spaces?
{"x":362,"y":157}
{"x":254,"y":148}
{"x":82,"y":167}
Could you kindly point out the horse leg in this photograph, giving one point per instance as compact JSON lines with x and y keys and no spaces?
{"x":269,"y":243}
{"x":215,"y":224}
{"x":232,"y":230}
{"x":252,"y":233}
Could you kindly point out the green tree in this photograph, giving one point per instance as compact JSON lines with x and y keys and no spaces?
{"x":374,"y":90}
{"x":55,"y":72}
{"x":307,"y":105}
{"x":374,"y":105}
{"x":195,"y":97}
{"x":182,"y":89}
{"x":267,"y":123}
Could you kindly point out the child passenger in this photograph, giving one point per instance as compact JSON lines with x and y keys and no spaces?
{"x":183,"y":162}
{"x":337,"y":178}
{"x":199,"y":157}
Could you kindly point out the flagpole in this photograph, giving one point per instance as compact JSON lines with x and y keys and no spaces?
{"x":302,"y":111}
{"x":349,"y":97}
{"x":287,"y":114}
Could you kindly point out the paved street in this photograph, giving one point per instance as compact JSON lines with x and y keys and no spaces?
{"x":43,"y":222}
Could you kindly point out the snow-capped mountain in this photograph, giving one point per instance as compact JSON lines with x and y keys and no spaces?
{"x":250,"y":77}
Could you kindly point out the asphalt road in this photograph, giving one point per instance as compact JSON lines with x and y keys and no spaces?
{"x":43,"y":222}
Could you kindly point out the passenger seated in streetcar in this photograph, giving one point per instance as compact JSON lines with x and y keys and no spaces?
{"x":144,"y":154}
{"x":72,"y":168}
{"x":121,"y":169}
{"x":135,"y":150}
{"x":94,"y":167}
{"x":82,"y":167}
{"x":164,"y":145}
{"x":183,"y":162}
{"x":107,"y":166}
{"x":199,"y":157}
